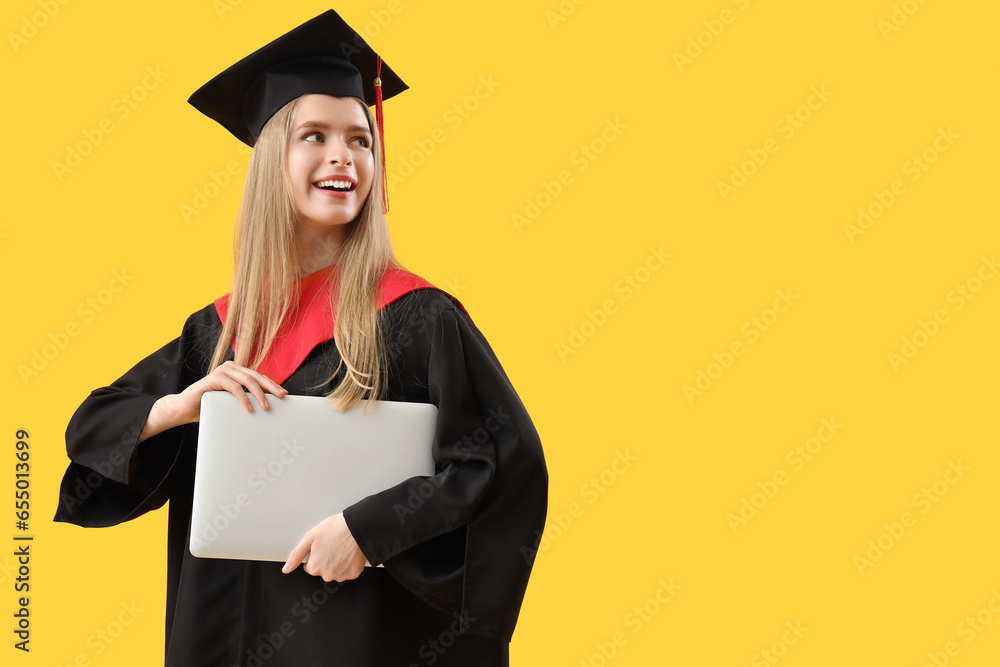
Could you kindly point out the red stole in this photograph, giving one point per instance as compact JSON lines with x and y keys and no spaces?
{"x":315,"y":322}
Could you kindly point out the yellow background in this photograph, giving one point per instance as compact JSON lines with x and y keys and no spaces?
{"x":564,"y":72}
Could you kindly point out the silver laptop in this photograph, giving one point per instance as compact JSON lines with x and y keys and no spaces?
{"x":265,"y":478}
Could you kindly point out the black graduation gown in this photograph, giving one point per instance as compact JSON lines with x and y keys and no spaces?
{"x":456,"y":563}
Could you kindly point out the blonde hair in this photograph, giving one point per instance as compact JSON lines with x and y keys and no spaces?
{"x":266,"y":269}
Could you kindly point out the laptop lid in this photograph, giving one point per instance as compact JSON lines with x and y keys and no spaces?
{"x":263,"y":479}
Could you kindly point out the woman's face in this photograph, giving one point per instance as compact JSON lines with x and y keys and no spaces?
{"x":330,"y":147}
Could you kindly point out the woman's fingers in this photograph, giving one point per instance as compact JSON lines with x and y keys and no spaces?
{"x":298,"y":553}
{"x":333,"y":553}
{"x":258,"y":393}
{"x":271,"y":385}
{"x":236,"y":377}
{"x":230,"y":377}
{"x":236,"y":389}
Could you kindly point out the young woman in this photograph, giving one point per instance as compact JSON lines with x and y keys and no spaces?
{"x":320,"y":306}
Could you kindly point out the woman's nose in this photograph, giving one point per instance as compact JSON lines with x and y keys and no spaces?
{"x":338,"y":153}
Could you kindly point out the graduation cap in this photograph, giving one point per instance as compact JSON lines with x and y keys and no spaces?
{"x":323,"y":55}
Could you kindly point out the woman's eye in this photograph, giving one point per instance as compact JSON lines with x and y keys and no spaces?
{"x":363,"y":141}
{"x":319,"y":137}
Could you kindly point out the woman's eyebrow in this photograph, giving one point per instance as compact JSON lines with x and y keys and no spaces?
{"x":326,"y":126}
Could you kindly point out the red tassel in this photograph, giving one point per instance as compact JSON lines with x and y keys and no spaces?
{"x":381,"y":131}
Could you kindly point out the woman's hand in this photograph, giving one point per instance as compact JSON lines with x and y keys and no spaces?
{"x":230,"y":377}
{"x":333,"y":553}
{"x":184,"y":408}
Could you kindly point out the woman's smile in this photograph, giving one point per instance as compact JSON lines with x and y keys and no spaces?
{"x":340,"y":187}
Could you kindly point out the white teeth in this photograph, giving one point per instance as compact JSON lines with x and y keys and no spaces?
{"x":344,"y":185}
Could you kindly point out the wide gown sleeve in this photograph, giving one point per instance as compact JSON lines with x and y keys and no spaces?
{"x":463,"y":540}
{"x":111,"y":478}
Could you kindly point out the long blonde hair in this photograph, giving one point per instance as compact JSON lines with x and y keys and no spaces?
{"x":267,"y":269}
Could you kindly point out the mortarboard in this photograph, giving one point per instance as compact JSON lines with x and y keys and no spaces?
{"x":323,"y":55}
